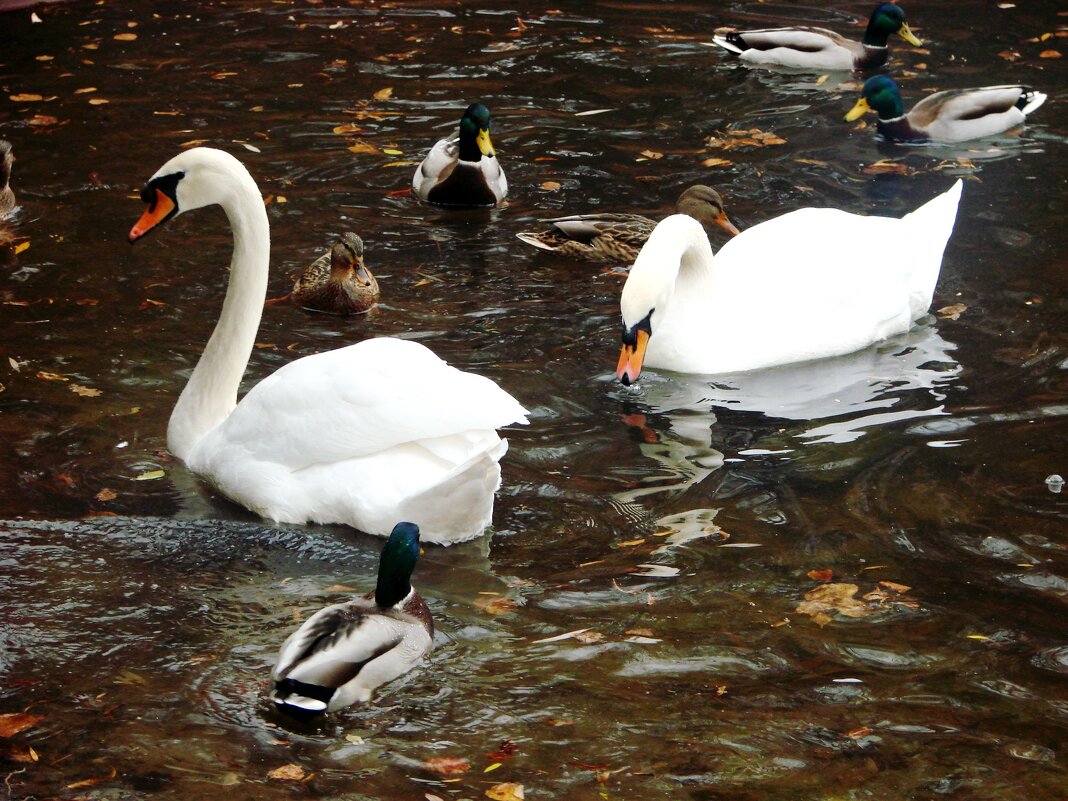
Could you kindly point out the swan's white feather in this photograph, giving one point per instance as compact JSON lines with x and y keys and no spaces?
{"x":810,"y":284}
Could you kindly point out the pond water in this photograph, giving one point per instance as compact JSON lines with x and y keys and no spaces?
{"x":681,"y":522}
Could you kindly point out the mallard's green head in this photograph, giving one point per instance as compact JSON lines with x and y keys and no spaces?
{"x":880,"y":93}
{"x":396,"y":565}
{"x":885,"y":20}
{"x":474,"y":134}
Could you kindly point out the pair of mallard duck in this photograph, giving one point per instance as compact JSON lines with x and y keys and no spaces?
{"x":952,"y":116}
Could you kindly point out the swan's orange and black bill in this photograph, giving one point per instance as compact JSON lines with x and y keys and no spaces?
{"x":160,"y":209}
{"x":631,"y":357}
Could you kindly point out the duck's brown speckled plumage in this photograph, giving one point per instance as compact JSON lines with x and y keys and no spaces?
{"x":338,"y":282}
{"x":617,"y":238}
{"x":7,"y":196}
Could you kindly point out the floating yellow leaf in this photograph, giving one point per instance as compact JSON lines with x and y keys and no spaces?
{"x":281,"y":199}
{"x":652,"y":155}
{"x":52,"y":376}
{"x":85,"y":90}
{"x":714,"y":162}
{"x":85,"y":392}
{"x":25,"y":98}
{"x":506,"y":792}
{"x":98,"y":101}
{"x":150,"y":475}
{"x":822,"y":79}
{"x":492,"y":767}
{"x":392,"y":151}
{"x":347,"y":128}
{"x":362,"y":147}
{"x":193,"y":143}
{"x":384,"y":94}
{"x":550,"y":186}
{"x":21,"y":246}
{"x":125,"y":37}
{"x":287,"y":773}
{"x":1049,"y":54}
{"x":42,"y":121}
{"x":45,"y":58}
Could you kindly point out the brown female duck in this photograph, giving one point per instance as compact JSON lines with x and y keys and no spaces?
{"x":338,"y":282}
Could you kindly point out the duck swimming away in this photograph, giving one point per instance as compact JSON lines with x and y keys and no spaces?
{"x":343,"y":652}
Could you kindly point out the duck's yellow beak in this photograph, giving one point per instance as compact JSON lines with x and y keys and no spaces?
{"x":858,"y":110}
{"x":631,"y":358}
{"x":906,"y":33}
{"x":156,"y":213}
{"x":484,"y":143}
{"x":724,"y":223}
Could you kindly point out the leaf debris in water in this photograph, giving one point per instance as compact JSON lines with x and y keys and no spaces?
{"x":150,"y":475}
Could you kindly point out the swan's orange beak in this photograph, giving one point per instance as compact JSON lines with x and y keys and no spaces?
{"x":724,"y":223}
{"x":158,"y":211}
{"x":630,"y":359}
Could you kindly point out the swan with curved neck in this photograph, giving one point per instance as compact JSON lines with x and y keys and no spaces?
{"x":345,"y":436}
{"x":810,"y":284}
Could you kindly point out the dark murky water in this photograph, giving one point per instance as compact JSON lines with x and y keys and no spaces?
{"x":140,"y":618}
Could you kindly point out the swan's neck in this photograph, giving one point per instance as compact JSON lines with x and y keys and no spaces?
{"x":211,"y":393}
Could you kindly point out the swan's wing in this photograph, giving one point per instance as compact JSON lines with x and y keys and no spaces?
{"x":361,"y":400}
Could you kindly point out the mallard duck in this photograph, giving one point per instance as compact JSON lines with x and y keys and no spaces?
{"x":463,"y":170}
{"x":955,"y":115}
{"x":807,"y":285}
{"x":366,"y":435}
{"x":337,"y":282}
{"x":342,"y":653}
{"x":7,"y":196}
{"x":619,"y":237}
{"x":819,"y":48}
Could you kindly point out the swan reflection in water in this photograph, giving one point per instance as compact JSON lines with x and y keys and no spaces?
{"x":826,"y":402}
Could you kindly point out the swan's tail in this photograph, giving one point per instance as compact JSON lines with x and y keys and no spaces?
{"x":1030,"y":100}
{"x":930,"y":226}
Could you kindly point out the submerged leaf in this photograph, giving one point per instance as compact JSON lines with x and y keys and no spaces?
{"x":287,"y":773}
{"x":507,"y":791}
{"x":14,"y":722}
{"x":447,"y":765}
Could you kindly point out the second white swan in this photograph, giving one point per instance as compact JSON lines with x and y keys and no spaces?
{"x":366,"y":435}
{"x":810,"y":284}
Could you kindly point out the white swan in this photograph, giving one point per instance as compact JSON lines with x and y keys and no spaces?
{"x":807,"y":285}
{"x":365,"y":435}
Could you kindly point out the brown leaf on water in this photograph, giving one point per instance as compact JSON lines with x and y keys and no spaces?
{"x":25,"y":98}
{"x":496,"y":605}
{"x":287,"y":773}
{"x":1049,"y":54}
{"x":51,"y":376}
{"x":91,"y":781}
{"x":505,"y":751}
{"x":893,"y":586}
{"x":588,"y":637}
{"x":42,"y":121}
{"x":652,"y":155}
{"x":14,"y":722}
{"x":1009,"y":55}
{"x":639,"y":632}
{"x":85,"y":90}
{"x":506,"y":791}
{"x":550,"y":186}
{"x":106,"y":495}
{"x":85,"y":392}
{"x":716,"y":162}
{"x":884,"y":167}
{"x":952,"y":312}
{"x":822,"y":602}
{"x":347,"y":128}
{"x":362,"y":147}
{"x":447,"y":765}
{"x":98,"y":101}
{"x":125,"y":37}
{"x":821,"y":574}
{"x":384,"y":94}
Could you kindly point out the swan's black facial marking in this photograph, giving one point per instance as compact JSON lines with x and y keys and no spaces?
{"x":630,"y":336}
{"x":167,"y":184}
